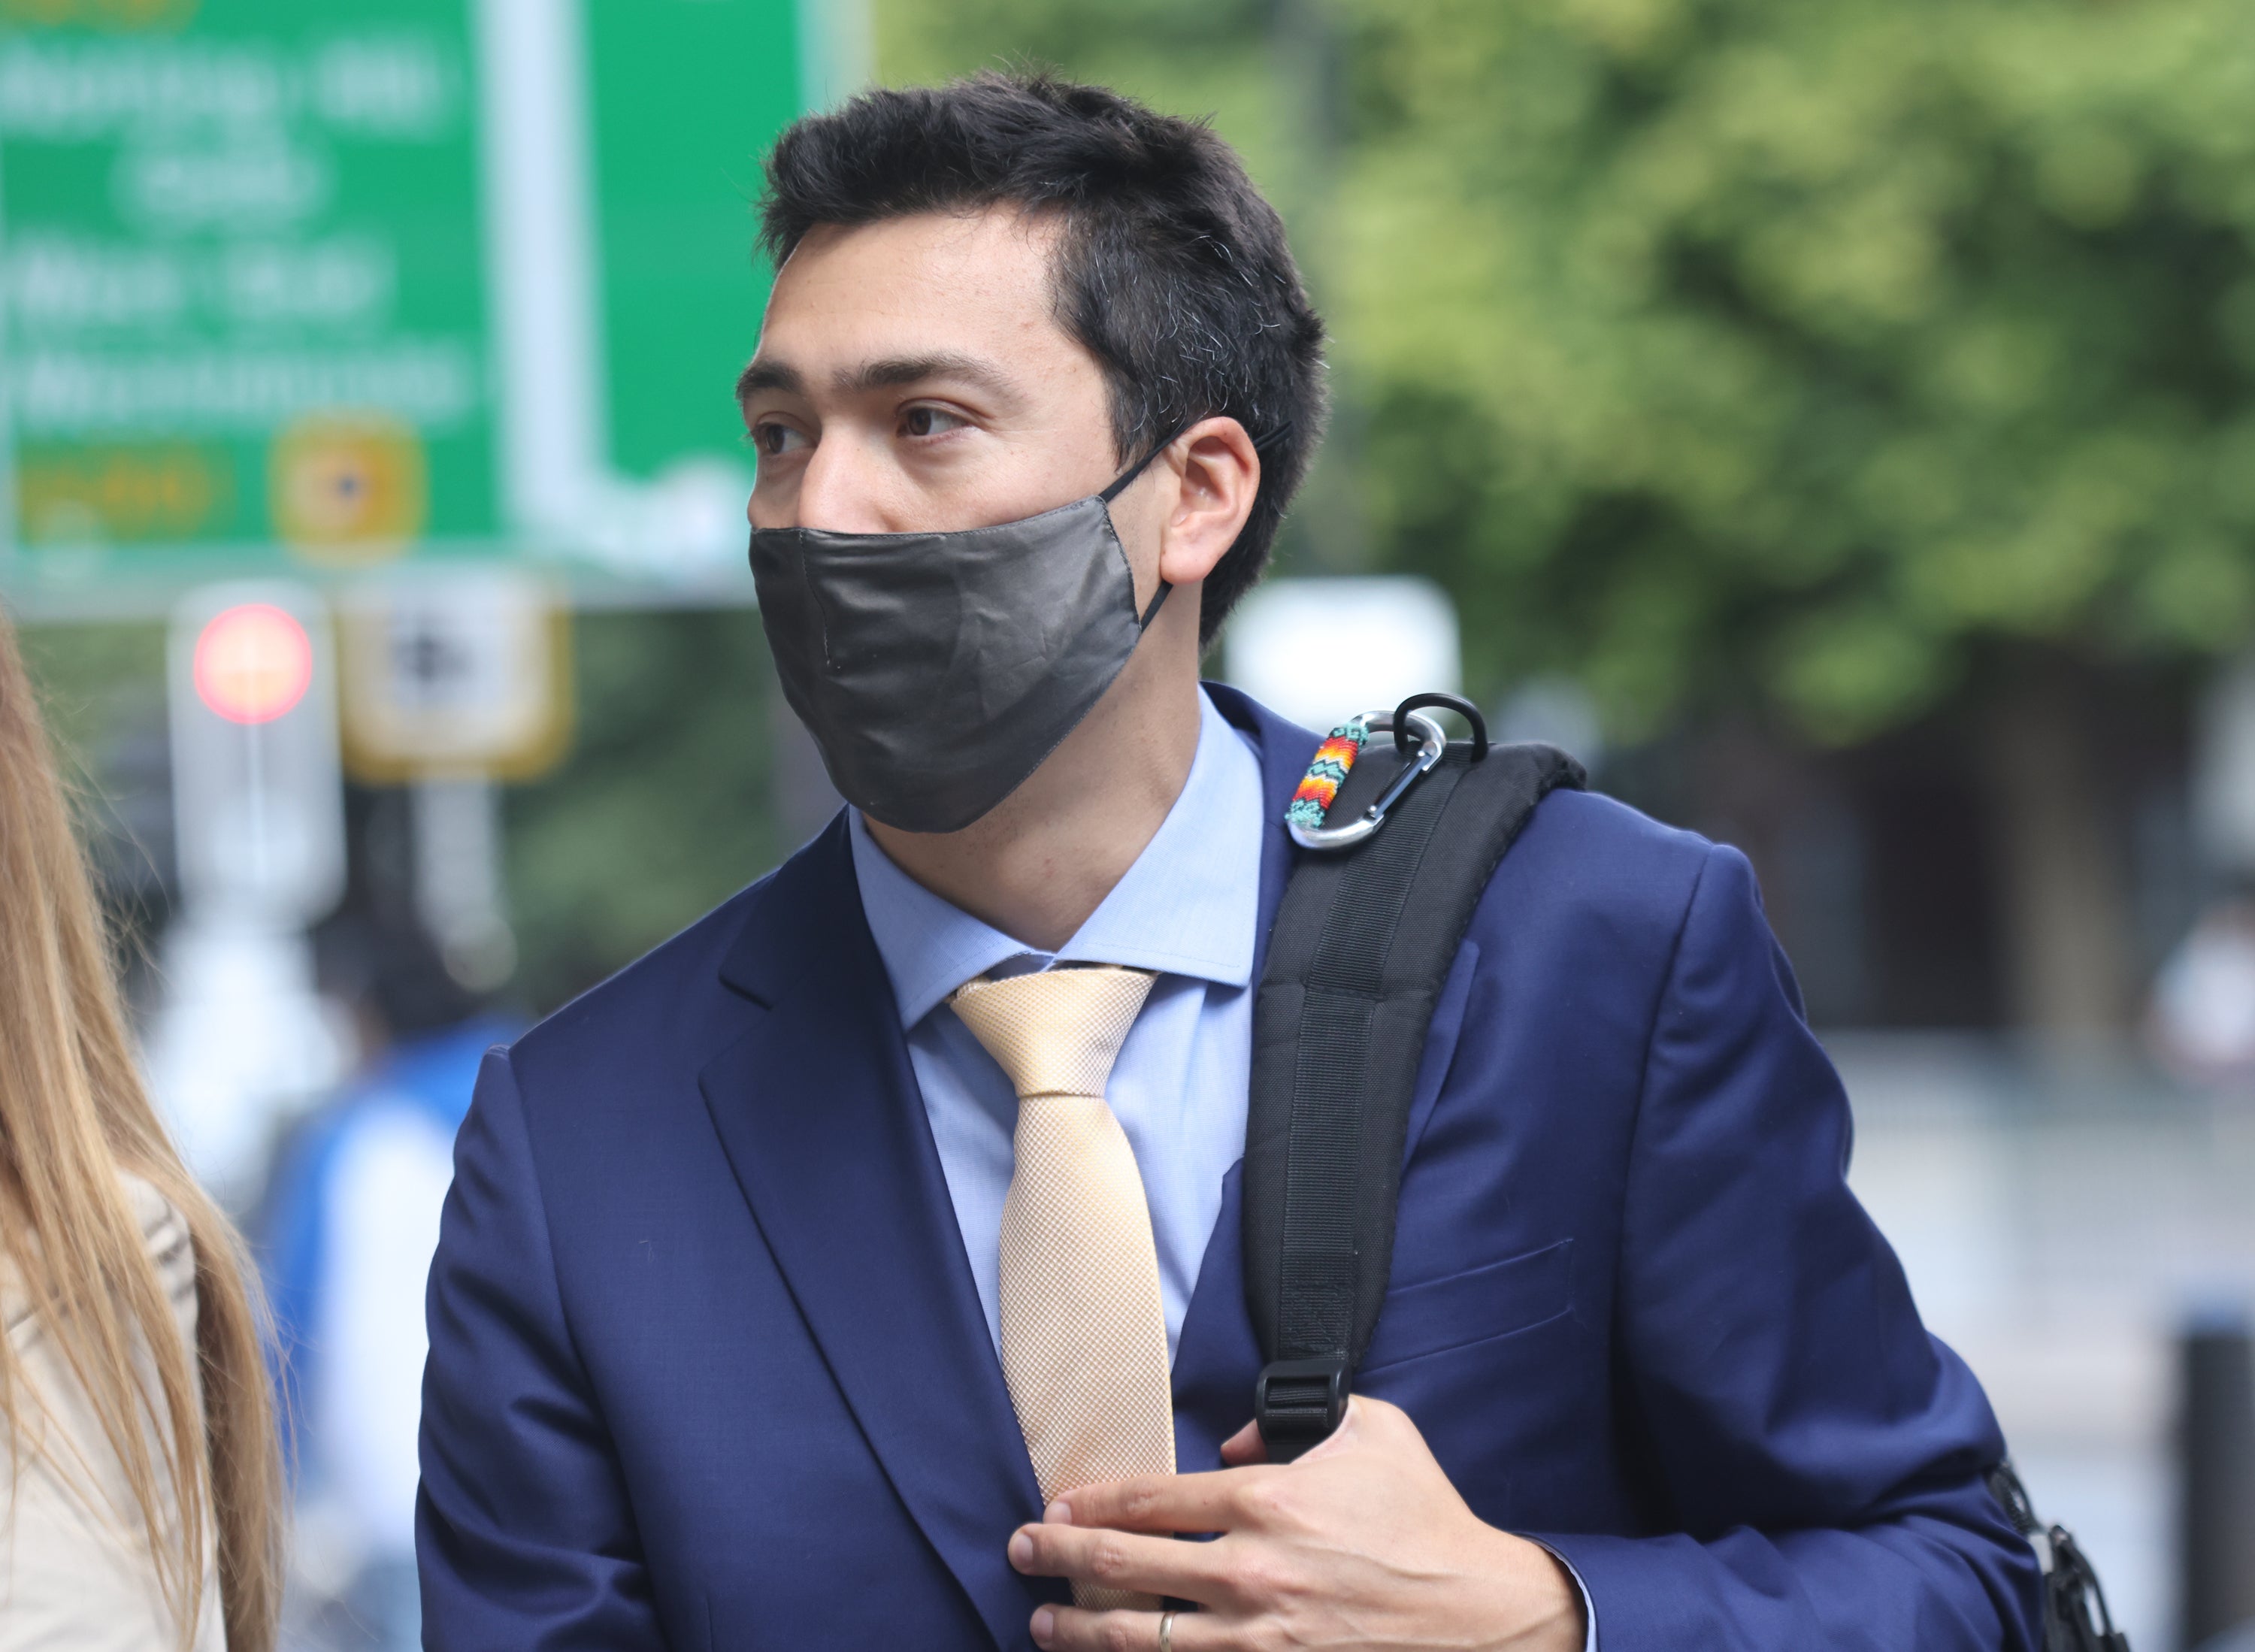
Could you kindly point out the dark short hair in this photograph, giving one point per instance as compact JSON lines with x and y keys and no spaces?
{"x":1172,"y":271}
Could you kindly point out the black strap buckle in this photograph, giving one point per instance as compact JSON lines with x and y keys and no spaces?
{"x":1456,"y":703}
{"x":1299,"y":1403}
{"x":2076,"y":1617}
{"x":2074,"y":1602}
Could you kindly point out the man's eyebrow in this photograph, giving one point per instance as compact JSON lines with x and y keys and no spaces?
{"x":891,"y":372}
{"x":770,"y":375}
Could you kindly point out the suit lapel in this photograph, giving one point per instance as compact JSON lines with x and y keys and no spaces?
{"x":817,"y":1110}
{"x":1285,"y":749}
{"x":1217,"y":1356}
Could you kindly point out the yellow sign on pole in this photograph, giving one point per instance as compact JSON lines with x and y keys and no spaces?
{"x":461,"y":672}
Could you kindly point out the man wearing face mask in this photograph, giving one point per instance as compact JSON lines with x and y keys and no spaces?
{"x":863,"y":1267}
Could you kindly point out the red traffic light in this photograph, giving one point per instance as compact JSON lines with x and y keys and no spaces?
{"x":253,"y":663}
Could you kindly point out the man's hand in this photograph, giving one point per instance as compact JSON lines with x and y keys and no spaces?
{"x":1362,"y":1542}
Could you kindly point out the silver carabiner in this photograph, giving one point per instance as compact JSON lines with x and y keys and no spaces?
{"x":1432,"y":744}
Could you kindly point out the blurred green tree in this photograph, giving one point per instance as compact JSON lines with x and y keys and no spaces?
{"x":664,"y":807}
{"x":665,"y":804}
{"x":1841,"y":359}
{"x":1844,"y":359}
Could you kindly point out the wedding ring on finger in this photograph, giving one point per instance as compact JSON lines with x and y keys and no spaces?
{"x":1166,"y":1632}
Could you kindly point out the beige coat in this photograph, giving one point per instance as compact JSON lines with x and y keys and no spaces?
{"x":76,"y":1571}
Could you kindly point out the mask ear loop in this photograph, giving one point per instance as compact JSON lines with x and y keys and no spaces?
{"x":1262,"y":443}
{"x":1127,"y":476}
{"x":1120,"y":486}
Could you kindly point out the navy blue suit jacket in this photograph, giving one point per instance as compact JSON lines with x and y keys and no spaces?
{"x":708,"y":1369}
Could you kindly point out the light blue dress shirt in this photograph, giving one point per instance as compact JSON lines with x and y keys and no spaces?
{"x":1187,"y":908}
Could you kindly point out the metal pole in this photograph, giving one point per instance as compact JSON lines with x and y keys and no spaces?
{"x":460,"y":885}
{"x":2215,"y":1448}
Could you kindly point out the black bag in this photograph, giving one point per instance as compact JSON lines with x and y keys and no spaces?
{"x":2072,"y":1593}
{"x":1362,"y":944}
{"x":1369,"y":927}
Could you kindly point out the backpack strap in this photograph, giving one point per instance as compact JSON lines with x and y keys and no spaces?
{"x":2076,"y":1617}
{"x":1363,"y":942}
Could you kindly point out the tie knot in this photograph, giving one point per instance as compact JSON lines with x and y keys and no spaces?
{"x":1056,"y":1032}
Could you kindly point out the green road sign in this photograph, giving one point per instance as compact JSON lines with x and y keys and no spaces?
{"x":326,"y":285}
{"x":679,"y":113}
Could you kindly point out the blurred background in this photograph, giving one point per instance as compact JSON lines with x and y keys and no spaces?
{"x":1835,"y":423}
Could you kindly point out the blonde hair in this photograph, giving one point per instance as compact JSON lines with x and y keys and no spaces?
{"x":74,"y":1116}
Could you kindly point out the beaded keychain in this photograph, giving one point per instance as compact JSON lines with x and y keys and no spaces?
{"x":1319,"y":786}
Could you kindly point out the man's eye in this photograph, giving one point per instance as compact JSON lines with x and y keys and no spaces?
{"x":931,"y":421}
{"x":773,"y":440}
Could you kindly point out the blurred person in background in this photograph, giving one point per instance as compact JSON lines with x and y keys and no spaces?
{"x":347,"y":1229}
{"x":141,"y":1510}
{"x":730,"y":1344}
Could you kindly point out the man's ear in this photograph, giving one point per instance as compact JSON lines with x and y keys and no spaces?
{"x":1217,"y":475}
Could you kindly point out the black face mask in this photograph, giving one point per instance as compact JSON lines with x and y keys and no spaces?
{"x":937,"y":670}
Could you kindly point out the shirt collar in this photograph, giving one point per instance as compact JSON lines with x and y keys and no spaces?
{"x":1188,"y":905}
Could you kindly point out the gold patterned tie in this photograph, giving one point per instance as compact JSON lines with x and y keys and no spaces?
{"x":1084,"y":1335}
